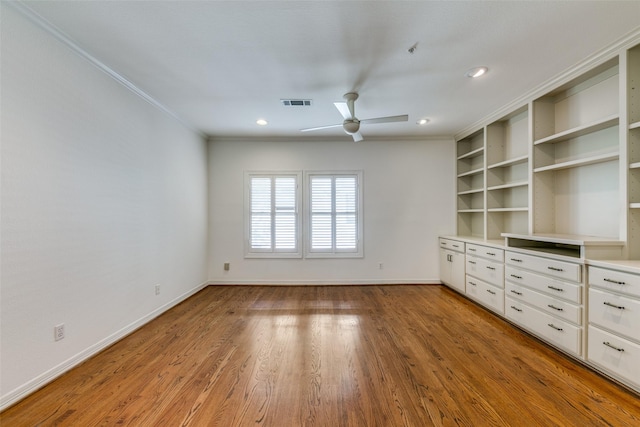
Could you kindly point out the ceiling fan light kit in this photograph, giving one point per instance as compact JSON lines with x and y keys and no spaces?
{"x":351,"y":124}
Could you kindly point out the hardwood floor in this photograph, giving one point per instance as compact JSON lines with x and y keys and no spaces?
{"x":328,"y":356}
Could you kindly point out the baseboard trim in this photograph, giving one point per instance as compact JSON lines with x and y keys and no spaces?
{"x":321,"y":282}
{"x":40,"y":381}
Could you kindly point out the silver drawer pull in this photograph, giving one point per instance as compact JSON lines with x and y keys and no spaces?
{"x":491,"y":268}
{"x":555,"y":289}
{"x":516,"y":308}
{"x":472,"y":284}
{"x":456,"y":246}
{"x":554,"y":307}
{"x":471,"y":249}
{"x":516,"y":277}
{"x":516,"y":292}
{"x":613,"y":281}
{"x":515,"y":259}
{"x":471,"y":262}
{"x":619,"y":307}
{"x":551,"y":325}
{"x":491,"y":292}
{"x":491,"y":253}
{"x":555,"y":269}
{"x":608,"y":344}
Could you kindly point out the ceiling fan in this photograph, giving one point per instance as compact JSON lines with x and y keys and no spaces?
{"x":351,"y":123}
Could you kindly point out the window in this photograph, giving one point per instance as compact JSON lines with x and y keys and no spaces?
{"x":334,"y":226}
{"x":273,"y":225}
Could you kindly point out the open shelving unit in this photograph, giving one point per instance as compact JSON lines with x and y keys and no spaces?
{"x":493,"y":178}
{"x":576,"y":156}
{"x":471,"y":185}
{"x":565,"y":163}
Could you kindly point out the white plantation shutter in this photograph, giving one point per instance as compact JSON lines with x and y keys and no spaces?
{"x":334,"y":215}
{"x":285,"y":215}
{"x":260,"y":213}
{"x":346,"y":212}
{"x":321,"y":213}
{"x":273,"y":215}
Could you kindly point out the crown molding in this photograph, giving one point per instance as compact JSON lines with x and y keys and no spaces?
{"x":329,"y":139}
{"x":59,"y":35}
{"x":597,"y":58}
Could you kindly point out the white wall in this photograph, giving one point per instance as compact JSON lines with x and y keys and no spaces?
{"x":103,"y":196}
{"x":408,"y":202}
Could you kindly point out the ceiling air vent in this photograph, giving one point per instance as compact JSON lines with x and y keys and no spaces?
{"x":296,"y":102}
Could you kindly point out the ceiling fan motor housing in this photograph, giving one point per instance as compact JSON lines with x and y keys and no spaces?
{"x":351,"y":126}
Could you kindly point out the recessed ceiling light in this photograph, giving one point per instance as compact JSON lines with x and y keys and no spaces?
{"x":422,"y":121}
{"x":261,"y":122}
{"x":476,"y":72}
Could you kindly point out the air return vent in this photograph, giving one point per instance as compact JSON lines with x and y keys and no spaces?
{"x":296,"y":102}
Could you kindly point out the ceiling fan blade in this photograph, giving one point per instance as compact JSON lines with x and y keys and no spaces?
{"x":357,"y":136}
{"x":321,"y":127}
{"x":344,"y":110}
{"x":389,"y":119}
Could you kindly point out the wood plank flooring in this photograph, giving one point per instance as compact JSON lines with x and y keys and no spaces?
{"x":328,"y":356}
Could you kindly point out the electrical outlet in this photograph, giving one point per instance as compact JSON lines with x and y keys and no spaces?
{"x":157,"y":289}
{"x":380,"y":266}
{"x":58,"y":332}
{"x":227,"y":266}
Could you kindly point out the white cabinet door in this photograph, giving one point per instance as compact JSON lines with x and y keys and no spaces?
{"x":457,"y":271}
{"x":452,"y":269}
{"x":445,"y":266}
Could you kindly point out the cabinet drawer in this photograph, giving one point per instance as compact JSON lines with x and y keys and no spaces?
{"x":615,"y":312}
{"x":553,"y":306}
{"x":492,"y":272}
{"x":618,"y":281}
{"x":616,"y":354}
{"x":485,"y":252}
{"x":453,"y":245}
{"x":560,"y":269}
{"x":547,"y":327}
{"x":549,"y":285}
{"x":486,"y":294}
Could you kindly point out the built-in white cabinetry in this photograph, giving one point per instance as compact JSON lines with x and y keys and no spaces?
{"x":452,"y":264}
{"x":544,"y":296}
{"x":614,"y":319}
{"x":485,"y":276}
{"x":547,"y":188}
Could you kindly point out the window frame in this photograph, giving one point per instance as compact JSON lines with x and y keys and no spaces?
{"x":272,"y":252}
{"x":334,"y":252}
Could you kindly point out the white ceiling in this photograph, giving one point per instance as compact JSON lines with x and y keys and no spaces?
{"x":220,"y":65}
